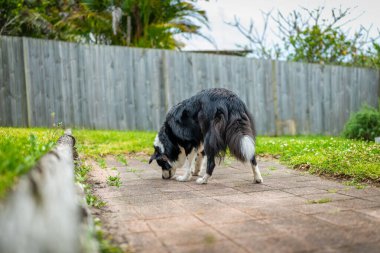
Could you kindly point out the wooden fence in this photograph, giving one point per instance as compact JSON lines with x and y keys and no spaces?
{"x":111,"y":87}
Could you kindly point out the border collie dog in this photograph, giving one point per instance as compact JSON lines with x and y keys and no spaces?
{"x":199,"y":129}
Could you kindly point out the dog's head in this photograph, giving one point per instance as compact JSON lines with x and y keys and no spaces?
{"x":162,"y":159}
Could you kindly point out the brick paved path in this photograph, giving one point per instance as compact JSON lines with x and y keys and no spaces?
{"x":230,"y":214}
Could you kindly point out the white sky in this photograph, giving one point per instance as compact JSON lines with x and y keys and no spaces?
{"x":226,"y":37}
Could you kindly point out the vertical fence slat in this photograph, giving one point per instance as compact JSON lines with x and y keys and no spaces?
{"x":129,"y":88}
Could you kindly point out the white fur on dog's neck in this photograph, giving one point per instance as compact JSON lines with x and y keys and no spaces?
{"x":158,"y":143}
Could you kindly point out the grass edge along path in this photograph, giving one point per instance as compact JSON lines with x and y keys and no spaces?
{"x":20,"y":149}
{"x":341,"y":158}
{"x":104,"y":240}
{"x":334,"y":156}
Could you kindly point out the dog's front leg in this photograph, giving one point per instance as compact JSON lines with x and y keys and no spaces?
{"x":210,"y":168}
{"x":190,"y":159}
{"x":203,"y":166}
{"x":197,"y":164}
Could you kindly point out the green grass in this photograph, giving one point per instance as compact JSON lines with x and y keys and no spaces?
{"x":93,"y":143}
{"x":105,"y":243}
{"x":209,"y":239}
{"x":272,"y":168}
{"x":81,"y":172}
{"x":102,"y":162}
{"x":81,"y":176}
{"x":132,"y":170}
{"x":332,"y":190}
{"x":121,"y":159}
{"x":94,"y":201}
{"x":20,"y":148}
{"x":114,"y":180}
{"x":356,"y":184}
{"x":319,"y":201}
{"x":357,"y":160}
{"x":333,"y":156}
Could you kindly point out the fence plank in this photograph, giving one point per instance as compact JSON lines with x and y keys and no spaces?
{"x":107,"y":87}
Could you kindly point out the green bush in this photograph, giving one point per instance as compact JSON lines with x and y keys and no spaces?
{"x":363,"y":125}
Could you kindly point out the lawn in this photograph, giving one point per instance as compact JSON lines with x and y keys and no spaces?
{"x":333,"y":156}
{"x":93,"y":143}
{"x":20,"y":148}
{"x":358,"y":160}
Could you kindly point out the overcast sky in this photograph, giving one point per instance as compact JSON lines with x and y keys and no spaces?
{"x":226,"y":37}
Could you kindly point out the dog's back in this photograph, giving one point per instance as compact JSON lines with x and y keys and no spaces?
{"x":231,"y":125}
{"x":218,"y":118}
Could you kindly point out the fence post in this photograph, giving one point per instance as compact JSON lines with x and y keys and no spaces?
{"x":165,"y":79}
{"x":275,"y":100}
{"x":25,"y":53}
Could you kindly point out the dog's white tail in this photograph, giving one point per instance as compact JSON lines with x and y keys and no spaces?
{"x":247,"y":147}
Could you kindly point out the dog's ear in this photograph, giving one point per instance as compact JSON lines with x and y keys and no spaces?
{"x":153,"y":157}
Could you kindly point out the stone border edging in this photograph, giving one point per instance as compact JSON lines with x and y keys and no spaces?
{"x":44,"y":212}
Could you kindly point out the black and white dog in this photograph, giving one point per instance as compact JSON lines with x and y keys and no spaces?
{"x":199,"y":129}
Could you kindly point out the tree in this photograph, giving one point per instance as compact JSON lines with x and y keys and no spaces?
{"x":141,"y":23}
{"x":20,"y":17}
{"x":257,"y":41}
{"x":149,"y":23}
{"x":308,"y":37}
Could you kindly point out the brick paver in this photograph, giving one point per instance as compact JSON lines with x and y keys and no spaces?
{"x":231,"y":214}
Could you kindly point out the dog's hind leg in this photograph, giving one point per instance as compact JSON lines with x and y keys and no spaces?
{"x":247,"y":149}
{"x":209,"y":170}
{"x":190,"y":160}
{"x":257,"y":178}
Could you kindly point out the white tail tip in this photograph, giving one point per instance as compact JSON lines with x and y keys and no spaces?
{"x":247,"y":147}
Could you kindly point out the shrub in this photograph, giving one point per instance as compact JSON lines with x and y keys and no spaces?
{"x":363,"y":125}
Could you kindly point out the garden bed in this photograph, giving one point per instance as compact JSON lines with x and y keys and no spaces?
{"x":20,"y":149}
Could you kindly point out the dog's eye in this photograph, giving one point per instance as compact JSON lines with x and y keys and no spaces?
{"x":163,"y":164}
{"x":164,"y":158}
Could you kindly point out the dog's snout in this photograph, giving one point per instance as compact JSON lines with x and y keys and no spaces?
{"x":165,"y":177}
{"x":166,"y":174}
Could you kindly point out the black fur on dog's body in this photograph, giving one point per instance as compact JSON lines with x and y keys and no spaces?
{"x":216,"y":118}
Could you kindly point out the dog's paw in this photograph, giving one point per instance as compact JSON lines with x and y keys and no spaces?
{"x":183,"y":178}
{"x":203,"y":180}
{"x":258,"y":180}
